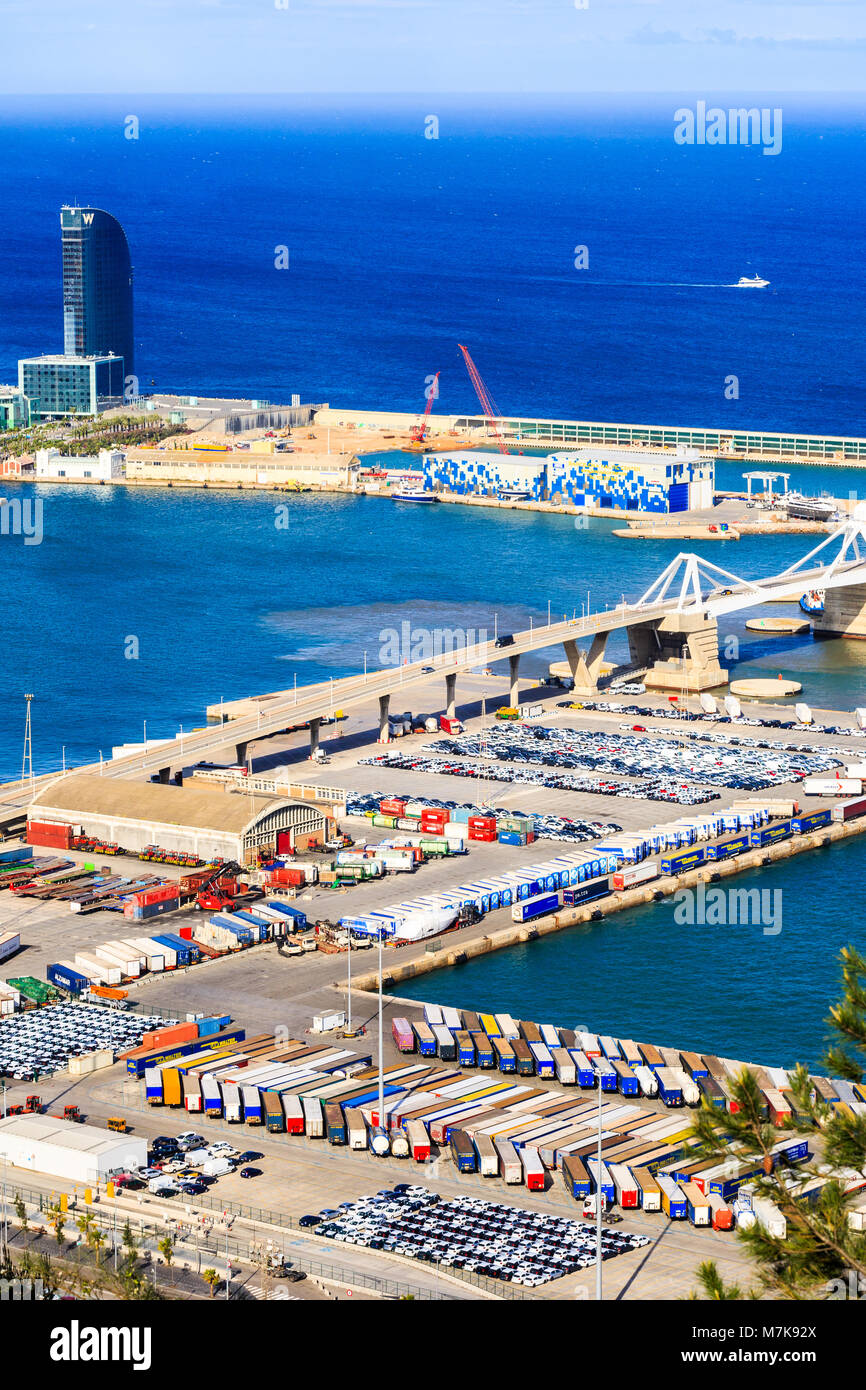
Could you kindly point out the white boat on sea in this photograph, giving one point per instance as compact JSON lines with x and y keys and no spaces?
{"x":751,"y":282}
{"x":413,"y":494}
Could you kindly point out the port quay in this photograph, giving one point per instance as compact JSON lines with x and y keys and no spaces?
{"x":278,"y":841}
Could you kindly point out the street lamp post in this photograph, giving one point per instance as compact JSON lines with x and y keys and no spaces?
{"x":381,"y":1071}
{"x":598,"y":1202}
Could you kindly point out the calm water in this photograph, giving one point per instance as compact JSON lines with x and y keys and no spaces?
{"x":723,"y":989}
{"x":400,"y":248}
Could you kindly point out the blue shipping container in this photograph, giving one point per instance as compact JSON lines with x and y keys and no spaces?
{"x":738,"y":844}
{"x":525,"y":910}
{"x":769,"y":834}
{"x":681,"y":861}
{"x":801,"y":825}
{"x":586,"y":892}
{"x":70,"y":980}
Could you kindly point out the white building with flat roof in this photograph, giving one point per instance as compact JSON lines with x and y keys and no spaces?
{"x":79,"y":1153}
{"x":105,"y":467}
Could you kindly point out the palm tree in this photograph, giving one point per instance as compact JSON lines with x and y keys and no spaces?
{"x":166,"y":1249}
{"x":212,"y":1280}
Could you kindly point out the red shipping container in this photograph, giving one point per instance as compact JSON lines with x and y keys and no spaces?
{"x":161,"y":894}
{"x":49,"y":833}
{"x":482,"y":836}
{"x":435,"y":813}
{"x":185,"y":933}
{"x":392,"y":806}
{"x":164,"y":1037}
{"x":482,"y":822}
{"x":296,"y":878}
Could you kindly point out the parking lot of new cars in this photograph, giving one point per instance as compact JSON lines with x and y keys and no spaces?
{"x":747,"y":765}
{"x":488,"y":1238}
{"x":43,"y":1040}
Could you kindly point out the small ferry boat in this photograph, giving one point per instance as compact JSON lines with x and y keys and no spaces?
{"x":813,"y":601}
{"x":751,"y":282}
{"x":413,"y":494}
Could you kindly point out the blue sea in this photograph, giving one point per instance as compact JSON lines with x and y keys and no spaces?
{"x":399,"y":247}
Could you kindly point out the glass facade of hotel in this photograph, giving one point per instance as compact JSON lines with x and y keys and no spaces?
{"x":97,"y":286}
{"x":63,"y":385}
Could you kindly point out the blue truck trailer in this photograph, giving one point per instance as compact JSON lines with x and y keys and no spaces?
{"x":607,"y":1073}
{"x":801,"y":825}
{"x":66,"y":978}
{"x":682,"y":860}
{"x":769,"y":834}
{"x":726,"y":849}
{"x":586,"y":892}
{"x":586,"y":1074}
{"x":528,"y":908}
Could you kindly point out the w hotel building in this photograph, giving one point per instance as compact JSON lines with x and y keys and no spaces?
{"x":97,"y":286}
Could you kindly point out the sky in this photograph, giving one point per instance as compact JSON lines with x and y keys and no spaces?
{"x":433,"y":46}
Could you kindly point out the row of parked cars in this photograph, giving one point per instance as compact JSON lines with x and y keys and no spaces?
{"x":559,"y":827}
{"x":691,"y":717}
{"x":188,"y":1165}
{"x":39,"y":1041}
{"x":488,"y":1238}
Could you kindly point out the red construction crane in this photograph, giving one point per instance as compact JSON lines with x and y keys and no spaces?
{"x":485,"y":400}
{"x":418,"y":433}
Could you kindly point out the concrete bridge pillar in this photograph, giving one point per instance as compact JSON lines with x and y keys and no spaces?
{"x":586,"y":667}
{"x":513,"y":673}
{"x":241,"y":754}
{"x":844,"y":613}
{"x":451,"y":695}
{"x":687,"y":654}
{"x":315,"y":726}
{"x":384,"y":707}
{"x":165,"y":774}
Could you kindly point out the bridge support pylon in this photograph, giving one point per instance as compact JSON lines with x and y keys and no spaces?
{"x":682,"y":651}
{"x":513,"y":674}
{"x":384,"y":707}
{"x":844,"y":613}
{"x":241,"y":754}
{"x":451,"y":695}
{"x":315,"y":726}
{"x":585,"y":667}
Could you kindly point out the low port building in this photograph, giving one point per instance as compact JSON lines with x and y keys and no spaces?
{"x":78,"y":1153}
{"x":205,"y":820}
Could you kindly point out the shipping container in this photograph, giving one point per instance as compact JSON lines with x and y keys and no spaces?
{"x":650,"y":1192}
{"x":426,"y":1039}
{"x":523,"y":1057}
{"x":533,"y":907}
{"x":293,"y":1112}
{"x":635,"y":874}
{"x":628,"y":1193}
{"x":802,"y":825}
{"x":575,"y":1176}
{"x":647,"y":1080}
{"x":253,"y":1109}
{"x":769,"y":834}
{"x":682,"y":860}
{"x":401,"y":1031}
{"x":483,"y":1050}
{"x":446,"y":1047}
{"x":504,"y":1054}
{"x":67,"y":978}
{"x":586,"y":1073}
{"x":711,"y":1088}
{"x":586,"y":892}
{"x":335,"y":1123}
{"x":313,"y":1119}
{"x":356,"y":1129}
{"x":463,"y":1151}
{"x":727,"y":849}
{"x":512,"y":1168}
{"x":534,"y":1171}
{"x":674,"y":1204}
{"x":720,"y":1212}
{"x":272,"y":1108}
